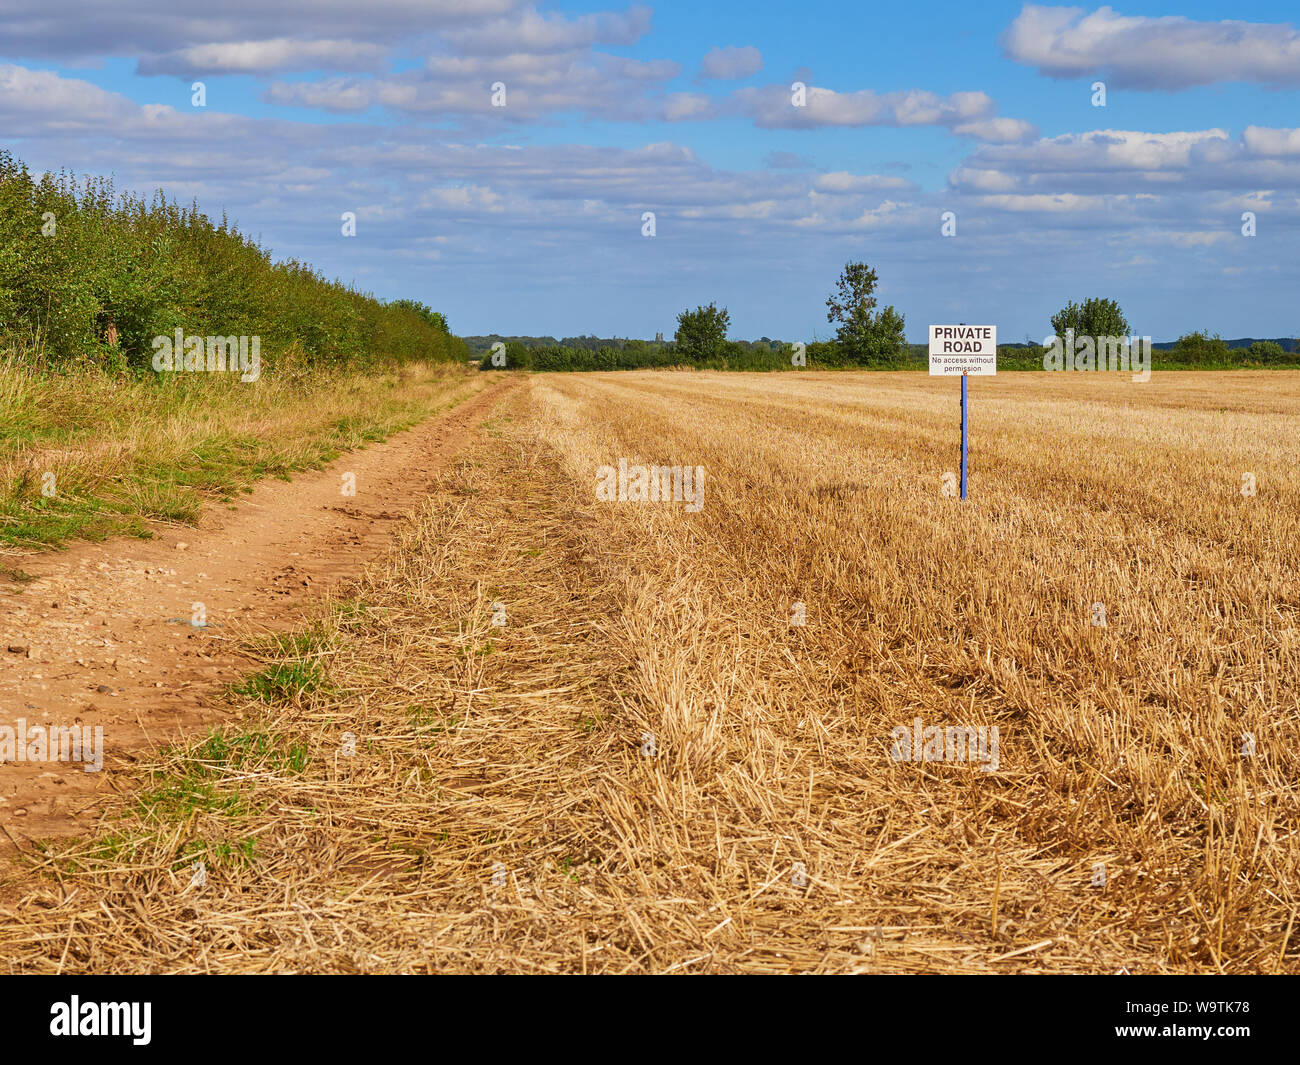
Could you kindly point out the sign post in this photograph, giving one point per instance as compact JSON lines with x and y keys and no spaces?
{"x":963,"y":436}
{"x":965,"y":350}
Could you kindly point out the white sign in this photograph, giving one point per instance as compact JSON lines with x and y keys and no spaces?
{"x":971,"y":350}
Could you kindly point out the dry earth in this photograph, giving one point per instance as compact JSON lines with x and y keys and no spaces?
{"x":103,"y":636}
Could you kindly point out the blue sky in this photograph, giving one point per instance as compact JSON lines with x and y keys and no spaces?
{"x":527,"y":218}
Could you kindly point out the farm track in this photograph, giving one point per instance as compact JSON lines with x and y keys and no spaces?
{"x":103,"y":633}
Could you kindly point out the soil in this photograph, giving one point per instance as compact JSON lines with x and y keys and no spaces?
{"x":104,"y":635}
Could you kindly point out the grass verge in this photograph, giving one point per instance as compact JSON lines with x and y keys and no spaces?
{"x":88,"y":455}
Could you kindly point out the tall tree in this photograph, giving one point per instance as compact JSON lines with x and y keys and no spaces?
{"x":865,"y":335}
{"x":1092,"y":318}
{"x":702,"y":333}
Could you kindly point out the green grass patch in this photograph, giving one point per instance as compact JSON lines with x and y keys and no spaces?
{"x":127,"y":448}
{"x":284,"y":682}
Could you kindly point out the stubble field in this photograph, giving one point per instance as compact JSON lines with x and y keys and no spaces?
{"x":622,"y":736}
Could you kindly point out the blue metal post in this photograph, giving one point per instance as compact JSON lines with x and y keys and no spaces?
{"x":963,"y":436}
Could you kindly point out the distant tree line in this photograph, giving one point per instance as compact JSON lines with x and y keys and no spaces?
{"x":1197,"y":350}
{"x":635,"y":355}
{"x":482,"y":345}
{"x":867,"y":336}
{"x":1098,"y":317}
{"x":1193,"y":351}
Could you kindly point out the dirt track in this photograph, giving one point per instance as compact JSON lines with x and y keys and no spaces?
{"x":103,"y":635}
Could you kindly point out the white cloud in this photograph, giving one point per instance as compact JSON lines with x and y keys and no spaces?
{"x":887,"y":214}
{"x":57,"y":103}
{"x":1187,"y":171}
{"x":731,"y":62}
{"x":842,"y":181}
{"x":1197,"y":238}
{"x":1261,"y":141}
{"x":998,"y":130}
{"x":1107,"y":150}
{"x":772,"y":107}
{"x":1141,"y":52}
{"x":159,"y":32}
{"x":598,"y":86}
{"x":259,"y":57}
{"x":1054,"y":204}
{"x":681,"y":106}
{"x":537,"y":34}
{"x":473,"y":198}
{"x":976,"y":179}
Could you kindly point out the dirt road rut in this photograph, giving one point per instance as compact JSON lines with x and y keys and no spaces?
{"x":104,"y":634}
